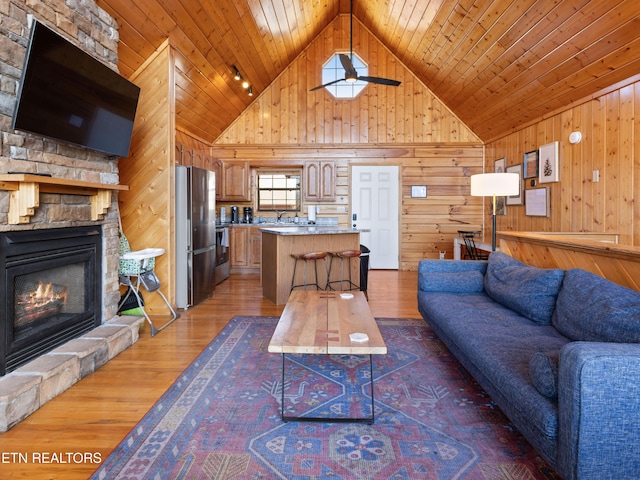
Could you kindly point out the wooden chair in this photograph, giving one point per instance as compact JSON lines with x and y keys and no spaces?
{"x":472,"y":252}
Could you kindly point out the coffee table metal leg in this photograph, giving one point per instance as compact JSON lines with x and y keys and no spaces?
{"x":369,"y":420}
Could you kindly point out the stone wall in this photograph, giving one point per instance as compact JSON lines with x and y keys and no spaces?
{"x":93,"y":30}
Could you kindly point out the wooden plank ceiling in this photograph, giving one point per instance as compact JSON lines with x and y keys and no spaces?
{"x":497,"y":64}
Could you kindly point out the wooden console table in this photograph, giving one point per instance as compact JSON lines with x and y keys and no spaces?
{"x":25,"y":194}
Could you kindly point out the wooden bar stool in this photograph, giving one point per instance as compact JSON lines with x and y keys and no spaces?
{"x":348,"y":255}
{"x":308,"y":257}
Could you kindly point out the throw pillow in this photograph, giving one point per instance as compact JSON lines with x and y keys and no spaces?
{"x":543,"y":372}
{"x":529,"y":291}
{"x":593,"y":309}
{"x":452,"y":282}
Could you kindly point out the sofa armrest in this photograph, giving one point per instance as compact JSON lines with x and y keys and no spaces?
{"x":599,"y":410}
{"x":452,"y":276}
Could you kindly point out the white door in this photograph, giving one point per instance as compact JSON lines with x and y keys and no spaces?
{"x":374,"y":205}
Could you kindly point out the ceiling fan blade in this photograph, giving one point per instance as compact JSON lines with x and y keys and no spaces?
{"x":327,"y":84}
{"x":349,"y":70}
{"x":380,"y":81}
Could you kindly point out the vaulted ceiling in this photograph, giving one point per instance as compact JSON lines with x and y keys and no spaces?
{"x":497,"y":64}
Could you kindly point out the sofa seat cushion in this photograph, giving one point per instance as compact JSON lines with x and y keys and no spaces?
{"x":593,"y":309}
{"x":543,"y":372}
{"x":530,"y":291}
{"x":498,"y":343}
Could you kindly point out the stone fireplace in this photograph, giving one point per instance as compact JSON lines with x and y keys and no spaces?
{"x":48,"y":289}
{"x":98,"y":333}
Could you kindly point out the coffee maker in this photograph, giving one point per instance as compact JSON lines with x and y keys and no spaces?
{"x":248,"y":215}
{"x":235,"y":218}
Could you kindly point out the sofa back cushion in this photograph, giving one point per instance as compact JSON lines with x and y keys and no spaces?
{"x":471,"y":281}
{"x":591,"y":308}
{"x":529,"y":291}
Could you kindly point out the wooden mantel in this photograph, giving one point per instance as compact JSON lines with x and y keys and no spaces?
{"x":615,"y":262}
{"x":25,"y":193}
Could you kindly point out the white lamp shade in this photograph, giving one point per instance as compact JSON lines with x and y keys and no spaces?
{"x":499,"y":184}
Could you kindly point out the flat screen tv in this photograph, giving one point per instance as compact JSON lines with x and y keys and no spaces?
{"x":67,"y":95}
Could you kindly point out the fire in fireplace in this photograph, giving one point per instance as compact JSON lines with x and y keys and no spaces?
{"x":50,"y":290}
{"x":34,"y":302}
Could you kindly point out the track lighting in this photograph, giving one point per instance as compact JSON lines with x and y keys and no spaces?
{"x":236,"y":74}
{"x":245,"y":83}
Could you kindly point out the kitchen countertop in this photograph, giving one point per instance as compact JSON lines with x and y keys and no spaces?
{"x":308,"y":230}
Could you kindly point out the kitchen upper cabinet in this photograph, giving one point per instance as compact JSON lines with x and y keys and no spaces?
{"x":236,"y":181}
{"x":320,"y":181}
{"x":216,"y":167}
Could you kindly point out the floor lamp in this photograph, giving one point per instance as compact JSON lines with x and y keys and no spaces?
{"x":495,"y":185}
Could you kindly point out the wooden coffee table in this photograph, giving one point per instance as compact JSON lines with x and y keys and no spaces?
{"x":319,"y":322}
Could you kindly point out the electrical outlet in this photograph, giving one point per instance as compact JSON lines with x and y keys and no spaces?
{"x":595,"y":176}
{"x":342,"y":209}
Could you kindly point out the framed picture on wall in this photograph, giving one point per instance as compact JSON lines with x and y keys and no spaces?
{"x":537,"y":202}
{"x":531,"y":164}
{"x":499,"y":166}
{"x":548,"y":164}
{"x":516,"y":199}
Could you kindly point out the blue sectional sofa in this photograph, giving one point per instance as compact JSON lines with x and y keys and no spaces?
{"x":558,"y":351}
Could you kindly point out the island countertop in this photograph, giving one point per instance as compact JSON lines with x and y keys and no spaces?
{"x":279,"y":243}
{"x":308,"y":230}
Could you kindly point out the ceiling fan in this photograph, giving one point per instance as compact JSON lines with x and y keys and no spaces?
{"x":350,"y":73}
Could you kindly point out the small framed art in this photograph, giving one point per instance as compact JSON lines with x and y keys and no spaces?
{"x":537,"y":202}
{"x":418,"y":191}
{"x":516,"y":199}
{"x":548,"y":164}
{"x":531,"y":164}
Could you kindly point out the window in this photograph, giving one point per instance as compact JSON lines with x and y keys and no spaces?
{"x":279,"y":190}
{"x":333,"y":70}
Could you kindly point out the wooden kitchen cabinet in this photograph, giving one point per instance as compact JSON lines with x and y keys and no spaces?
{"x":238,"y":241}
{"x":216,"y":167}
{"x":236,"y":181}
{"x":255,"y":247}
{"x":245,"y":243}
{"x":320,"y":181}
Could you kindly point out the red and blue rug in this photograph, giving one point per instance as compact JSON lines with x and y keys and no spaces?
{"x":221,"y":418}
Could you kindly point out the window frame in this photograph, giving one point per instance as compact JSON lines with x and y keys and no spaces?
{"x":294,"y":172}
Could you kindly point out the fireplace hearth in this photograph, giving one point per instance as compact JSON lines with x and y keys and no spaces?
{"x":50,"y":290}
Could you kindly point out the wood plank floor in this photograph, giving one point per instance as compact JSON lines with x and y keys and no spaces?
{"x":92,"y":417}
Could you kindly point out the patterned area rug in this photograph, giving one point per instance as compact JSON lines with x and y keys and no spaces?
{"x":221,"y":418}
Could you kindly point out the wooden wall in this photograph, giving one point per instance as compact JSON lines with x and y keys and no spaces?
{"x":147,"y":209}
{"x":428,"y":225}
{"x":287,"y":113}
{"x":406,"y":126}
{"x":610,"y":127}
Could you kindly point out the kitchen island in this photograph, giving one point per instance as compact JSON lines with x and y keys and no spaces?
{"x":278,"y":243}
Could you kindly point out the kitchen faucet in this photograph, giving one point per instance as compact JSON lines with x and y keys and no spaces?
{"x":280,"y":214}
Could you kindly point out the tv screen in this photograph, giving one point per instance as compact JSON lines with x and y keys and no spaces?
{"x":68,"y":95}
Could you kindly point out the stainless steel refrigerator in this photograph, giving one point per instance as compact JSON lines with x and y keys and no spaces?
{"x":195,"y":235}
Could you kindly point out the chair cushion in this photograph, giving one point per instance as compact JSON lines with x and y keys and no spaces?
{"x":471,"y":281}
{"x":593,"y":309}
{"x":529,"y":291}
{"x":543,"y":372}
